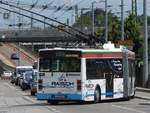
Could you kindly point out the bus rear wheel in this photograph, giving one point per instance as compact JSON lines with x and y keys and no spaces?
{"x":97,"y":95}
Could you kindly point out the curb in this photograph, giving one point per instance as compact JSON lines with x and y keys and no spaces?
{"x":143,"y":89}
{"x":142,"y":97}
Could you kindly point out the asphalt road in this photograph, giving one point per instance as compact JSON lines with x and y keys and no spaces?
{"x":7,"y":51}
{"x":13,"y":100}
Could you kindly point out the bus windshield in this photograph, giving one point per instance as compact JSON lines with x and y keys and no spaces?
{"x":65,"y":62}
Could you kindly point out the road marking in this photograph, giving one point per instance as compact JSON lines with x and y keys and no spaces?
{"x":32,"y":100}
{"x":54,"y":110}
{"x":129,"y":109}
{"x":48,"y":107}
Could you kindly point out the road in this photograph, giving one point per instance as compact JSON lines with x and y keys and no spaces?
{"x":8,"y":49}
{"x":13,"y":100}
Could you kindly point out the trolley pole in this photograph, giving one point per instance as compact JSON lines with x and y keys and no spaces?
{"x":145,"y":55}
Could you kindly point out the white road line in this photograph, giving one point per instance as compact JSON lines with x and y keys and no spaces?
{"x":129,"y":109}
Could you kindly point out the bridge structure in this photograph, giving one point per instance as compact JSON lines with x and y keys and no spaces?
{"x":35,"y":35}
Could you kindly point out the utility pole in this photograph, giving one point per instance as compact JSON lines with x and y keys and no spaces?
{"x":44,"y":21}
{"x":106,"y":22}
{"x":93,"y":26}
{"x":134,"y":7}
{"x":76,"y":13}
{"x":19,"y":26}
{"x":145,"y":55}
{"x":31,"y":21}
{"x":81,"y":20}
{"x":122,"y":19}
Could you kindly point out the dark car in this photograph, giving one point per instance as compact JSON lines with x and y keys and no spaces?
{"x":33,"y":83}
{"x":25,"y":80}
{"x":19,"y":72}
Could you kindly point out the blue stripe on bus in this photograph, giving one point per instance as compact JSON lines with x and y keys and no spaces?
{"x":48,"y":96}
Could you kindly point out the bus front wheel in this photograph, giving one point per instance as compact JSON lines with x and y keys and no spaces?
{"x":97,"y":95}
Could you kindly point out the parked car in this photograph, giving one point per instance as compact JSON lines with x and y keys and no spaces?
{"x":19,"y":71}
{"x":6,"y":75}
{"x":12,"y":79}
{"x":33,"y":83}
{"x":25,"y":80}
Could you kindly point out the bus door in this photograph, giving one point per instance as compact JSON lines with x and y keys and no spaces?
{"x":112,"y":70}
{"x":109,"y":84}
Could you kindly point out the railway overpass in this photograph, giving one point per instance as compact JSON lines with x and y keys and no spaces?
{"x":35,"y":35}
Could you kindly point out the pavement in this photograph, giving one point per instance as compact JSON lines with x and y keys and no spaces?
{"x":142,"y":93}
{"x":14,"y":100}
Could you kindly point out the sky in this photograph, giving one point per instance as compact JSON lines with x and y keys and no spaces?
{"x":64,"y":15}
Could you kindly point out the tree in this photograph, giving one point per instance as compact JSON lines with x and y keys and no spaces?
{"x":133,"y":32}
{"x":114,"y":32}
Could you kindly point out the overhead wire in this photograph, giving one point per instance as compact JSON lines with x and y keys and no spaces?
{"x":76,"y":30}
{"x":70,"y":8}
{"x":47,"y":5}
{"x":38,"y":20}
{"x":34,"y":4}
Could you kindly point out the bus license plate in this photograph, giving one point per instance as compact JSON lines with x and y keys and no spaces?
{"x":60,"y":97}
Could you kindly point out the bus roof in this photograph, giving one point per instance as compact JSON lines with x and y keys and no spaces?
{"x":108,"y":47}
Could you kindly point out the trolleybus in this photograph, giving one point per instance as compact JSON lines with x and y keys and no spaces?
{"x":85,"y":74}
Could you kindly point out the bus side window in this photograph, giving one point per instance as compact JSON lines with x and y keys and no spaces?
{"x":94,"y":69}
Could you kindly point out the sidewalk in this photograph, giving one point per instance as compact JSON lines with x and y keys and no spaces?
{"x":142,"y":93}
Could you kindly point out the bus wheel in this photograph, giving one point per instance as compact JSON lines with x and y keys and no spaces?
{"x":32,"y":93}
{"x":53,"y":102}
{"x":97,"y":96}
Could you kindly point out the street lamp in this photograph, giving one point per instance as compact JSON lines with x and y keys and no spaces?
{"x":106,"y":22}
{"x":145,"y":52}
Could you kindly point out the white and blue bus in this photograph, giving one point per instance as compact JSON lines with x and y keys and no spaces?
{"x":85,"y":74}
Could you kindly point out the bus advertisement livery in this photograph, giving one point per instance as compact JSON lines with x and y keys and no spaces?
{"x":85,"y":74}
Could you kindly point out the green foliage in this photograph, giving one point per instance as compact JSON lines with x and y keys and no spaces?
{"x":133,"y":32}
{"x":114,"y":31}
{"x":132,"y":28}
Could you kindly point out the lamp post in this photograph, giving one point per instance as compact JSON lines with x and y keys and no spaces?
{"x":93,"y":18}
{"x":122,"y":19}
{"x":106,"y":22}
{"x":145,"y":54}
